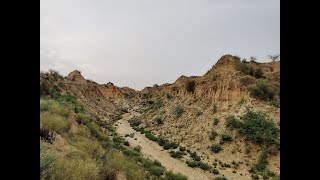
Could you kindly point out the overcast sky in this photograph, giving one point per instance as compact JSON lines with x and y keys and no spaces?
{"x":139,"y":43}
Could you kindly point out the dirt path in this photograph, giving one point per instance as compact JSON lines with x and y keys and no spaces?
{"x":154,"y":151}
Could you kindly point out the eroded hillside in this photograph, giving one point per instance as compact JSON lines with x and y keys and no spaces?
{"x":225,"y":123}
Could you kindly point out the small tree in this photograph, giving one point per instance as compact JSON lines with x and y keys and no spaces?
{"x":190,"y":85}
{"x":253,"y":59}
{"x":274,"y":57}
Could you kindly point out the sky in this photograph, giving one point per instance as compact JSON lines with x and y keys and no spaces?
{"x":139,"y":43}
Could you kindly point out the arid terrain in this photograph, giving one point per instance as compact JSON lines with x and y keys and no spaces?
{"x":224,"y":124}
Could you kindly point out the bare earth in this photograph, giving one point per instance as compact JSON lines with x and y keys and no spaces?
{"x":154,"y":151}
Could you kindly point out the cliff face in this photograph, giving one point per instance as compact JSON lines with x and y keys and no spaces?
{"x":110,"y":91}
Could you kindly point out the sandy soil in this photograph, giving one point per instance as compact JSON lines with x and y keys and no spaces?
{"x":154,"y":151}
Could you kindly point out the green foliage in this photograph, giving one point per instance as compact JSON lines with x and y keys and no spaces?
{"x":54,"y":107}
{"x":179,"y":110}
{"x":275,"y":103}
{"x":182,"y":149}
{"x":169,"y":145}
{"x":72,"y":100}
{"x":215,"y":121}
{"x":216,"y":148}
{"x":151,"y":137}
{"x":244,"y":67}
{"x":263,"y":90}
{"x":159,"y":120}
{"x":75,"y":169}
{"x":258,"y":73}
{"x":171,"y":176}
{"x":134,"y":122}
{"x":215,"y":171}
{"x":157,"y":170}
{"x":192,"y":163}
{"x":118,"y":162}
{"x":231,"y":122}
{"x":262,"y":163}
{"x":204,"y":166}
{"x":157,"y":104}
{"x":190,"y":86}
{"x":54,"y":122}
{"x":46,"y":165}
{"x":213,"y":135}
{"x":225,"y":138}
{"x":258,"y":127}
{"x":177,"y":154}
{"x":44,"y":90}
{"x":126,"y":143}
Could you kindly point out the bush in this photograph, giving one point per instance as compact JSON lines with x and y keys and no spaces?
{"x":89,"y":146}
{"x":225,"y":138}
{"x":192,"y":163}
{"x":258,"y":73}
{"x":178,"y":111}
{"x":126,"y":143}
{"x":159,"y":120}
{"x":54,"y":107}
{"x":263,"y":90}
{"x":151,"y":136}
{"x":134,"y":122}
{"x":171,"y":176}
{"x":190,"y":86}
{"x":54,"y":122}
{"x":182,"y":148}
{"x":232,"y":122}
{"x":204,"y":166}
{"x":176,"y":154}
{"x":258,"y":127}
{"x":216,"y":148}
{"x":156,"y":170}
{"x":213,"y":135}
{"x":118,"y":162}
{"x":137,"y":148}
{"x":215,"y":121}
{"x":244,"y":67}
{"x":46,"y":165}
{"x":215,"y":171}
{"x":262,"y":162}
{"x":74,"y":169}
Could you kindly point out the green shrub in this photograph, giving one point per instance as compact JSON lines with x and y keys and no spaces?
{"x":263,"y":90}
{"x":157,"y":163}
{"x":213,"y":135}
{"x":54,"y":107}
{"x":89,"y":146}
{"x":161,"y":141}
{"x":171,"y":176}
{"x":44,"y":90}
{"x":258,"y":73}
{"x":118,"y":162}
{"x":134,"y":122}
{"x":169,"y":145}
{"x":197,"y":158}
{"x":137,"y":148}
{"x":131,"y":153}
{"x":46,"y":165}
{"x":232,"y":122}
{"x":176,"y":154}
{"x":225,"y":138}
{"x":216,"y":148}
{"x":178,"y":111}
{"x":244,"y":68}
{"x":190,"y":86}
{"x":156,"y":170}
{"x":182,"y":148}
{"x":192,"y":163}
{"x":54,"y":122}
{"x":215,"y":171}
{"x":262,"y":163}
{"x":275,"y":103}
{"x":215,"y":121}
{"x":204,"y":166}
{"x":258,"y":127}
{"x":126,"y":143}
{"x":150,"y":136}
{"x":159,"y":120}
{"x":75,"y":169}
